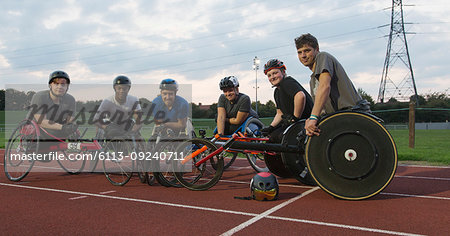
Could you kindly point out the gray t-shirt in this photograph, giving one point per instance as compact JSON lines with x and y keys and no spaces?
{"x":343,"y":94}
{"x":241,"y":104}
{"x":41,"y":103}
{"x":116,"y":112}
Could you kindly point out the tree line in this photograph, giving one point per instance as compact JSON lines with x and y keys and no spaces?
{"x":433,"y":107}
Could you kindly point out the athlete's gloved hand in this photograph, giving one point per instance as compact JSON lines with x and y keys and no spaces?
{"x":69,"y":128}
{"x":267,"y":130}
{"x":289,"y":119}
{"x":113,"y":130}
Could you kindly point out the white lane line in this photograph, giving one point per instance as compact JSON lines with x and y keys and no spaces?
{"x":200,"y":208}
{"x":343,"y":226}
{"x":129,"y":199}
{"x":420,"y":166}
{"x":112,"y":191}
{"x":384,"y":193}
{"x":81,"y":197}
{"x":417,"y":196}
{"x":239,"y":168}
{"x":421,"y":177}
{"x":76,"y":198}
{"x":266,"y":213}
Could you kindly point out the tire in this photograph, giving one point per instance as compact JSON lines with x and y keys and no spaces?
{"x":354,"y":158}
{"x":204,"y":176}
{"x":295,"y":162}
{"x":256,"y":161}
{"x":118,"y":165}
{"x":228,"y":159}
{"x":276,"y":166}
{"x":162,"y":167}
{"x":24,"y":140}
{"x":100,"y":137}
{"x":140,"y":161}
{"x":150,"y":178}
{"x":142,"y":174}
{"x":72,"y":165}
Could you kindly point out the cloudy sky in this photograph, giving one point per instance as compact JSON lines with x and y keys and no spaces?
{"x":200,"y":42}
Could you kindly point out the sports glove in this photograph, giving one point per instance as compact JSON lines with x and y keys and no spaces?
{"x":267,"y":130}
{"x":69,"y":128}
{"x":289,"y":119}
{"x":113,"y":130}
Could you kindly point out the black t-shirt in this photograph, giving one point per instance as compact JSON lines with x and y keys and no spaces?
{"x":284,"y":97}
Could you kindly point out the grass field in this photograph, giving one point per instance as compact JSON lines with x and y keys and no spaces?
{"x":432,"y":146}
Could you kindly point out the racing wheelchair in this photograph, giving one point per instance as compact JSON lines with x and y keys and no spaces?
{"x":160,"y":146}
{"x":250,"y":128}
{"x":26,"y":145}
{"x":354,"y":158}
{"x":121,"y":156}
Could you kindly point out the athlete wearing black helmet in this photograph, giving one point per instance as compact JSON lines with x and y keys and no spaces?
{"x":233,"y":107}
{"x":58,"y":75}
{"x":119,"y":113}
{"x":54,"y":109}
{"x":121,"y":79}
{"x":171,"y":110}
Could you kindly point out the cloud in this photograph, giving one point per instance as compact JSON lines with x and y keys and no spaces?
{"x":60,"y":15}
{"x":14,"y":13}
{"x":4,"y":62}
{"x":200,"y":42}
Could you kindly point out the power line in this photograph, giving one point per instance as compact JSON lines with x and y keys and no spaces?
{"x":197,"y":61}
{"x":188,"y":40}
{"x":165,"y":53}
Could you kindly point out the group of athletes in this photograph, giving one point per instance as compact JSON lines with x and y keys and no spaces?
{"x":331,"y":90}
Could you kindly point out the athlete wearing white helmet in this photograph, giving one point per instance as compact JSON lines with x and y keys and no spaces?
{"x":233,"y":107}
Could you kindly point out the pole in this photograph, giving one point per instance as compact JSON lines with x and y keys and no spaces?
{"x":412,"y":124}
{"x":256,"y":75}
{"x":256,"y":62}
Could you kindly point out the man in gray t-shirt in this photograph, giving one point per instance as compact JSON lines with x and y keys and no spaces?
{"x":233,"y":108}
{"x":54,"y":109}
{"x":331,"y":88}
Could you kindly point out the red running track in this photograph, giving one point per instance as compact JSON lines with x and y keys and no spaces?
{"x":417,"y":202}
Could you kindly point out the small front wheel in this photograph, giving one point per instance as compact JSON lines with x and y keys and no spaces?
{"x":203,"y":176}
{"x":24,"y":141}
{"x":118,"y":164}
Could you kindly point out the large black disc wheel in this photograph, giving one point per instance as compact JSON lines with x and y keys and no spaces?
{"x":354,"y":157}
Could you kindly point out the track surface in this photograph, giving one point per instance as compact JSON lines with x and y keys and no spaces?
{"x":417,"y":202}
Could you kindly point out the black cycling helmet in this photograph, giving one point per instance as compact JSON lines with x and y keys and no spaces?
{"x":168,"y":84}
{"x":228,"y":82}
{"x":58,"y":74}
{"x":121,"y":79}
{"x":264,"y":187}
{"x":273,"y":64}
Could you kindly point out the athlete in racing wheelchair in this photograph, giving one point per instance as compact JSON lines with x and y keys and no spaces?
{"x":293,"y":104}
{"x":234,"y":115}
{"x":41,"y":136}
{"x":171,"y":117}
{"x":118,"y":122}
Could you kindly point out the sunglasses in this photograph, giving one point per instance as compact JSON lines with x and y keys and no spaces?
{"x":265,"y":195}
